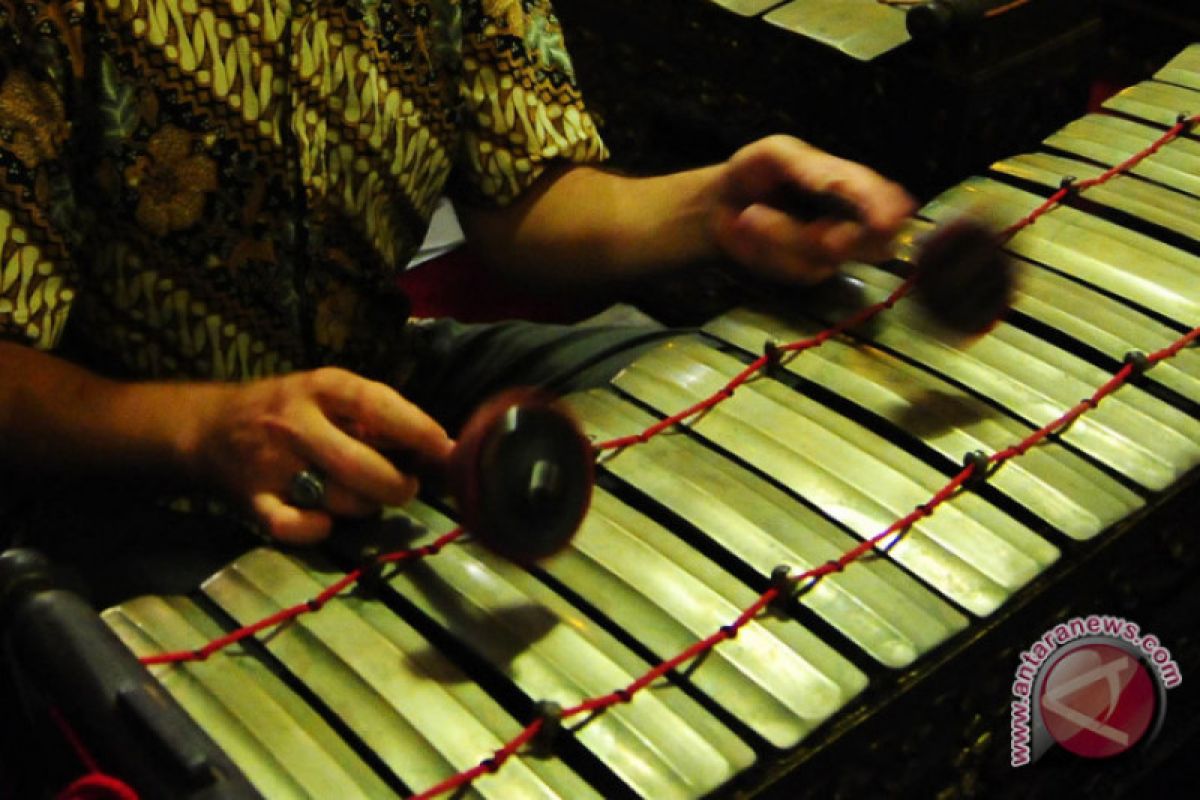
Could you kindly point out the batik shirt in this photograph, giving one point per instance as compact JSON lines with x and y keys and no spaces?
{"x":226,"y":189}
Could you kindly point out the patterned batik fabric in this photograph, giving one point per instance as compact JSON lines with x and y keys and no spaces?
{"x":226,"y":189}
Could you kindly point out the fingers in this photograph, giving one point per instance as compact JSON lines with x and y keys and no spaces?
{"x":298,"y":526}
{"x":329,"y":421}
{"x":344,"y":460}
{"x":290,"y":524}
{"x":774,"y":243}
{"x":769,"y":240}
{"x":382,"y":417}
{"x":287,"y":522}
{"x":882,"y":204}
{"x":342,"y":502}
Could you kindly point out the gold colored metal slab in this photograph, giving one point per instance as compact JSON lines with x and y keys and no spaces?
{"x":968,"y":550}
{"x":1112,"y":140}
{"x":425,"y":583}
{"x":1120,"y":261}
{"x":862,"y":29}
{"x":1057,"y":485}
{"x":1107,"y":325}
{"x":746,"y":8}
{"x":1160,"y":103}
{"x":595,"y":635}
{"x":776,"y":677}
{"x":283,"y":747}
{"x":875,"y":605}
{"x":1184,"y":69}
{"x":1092,"y":318}
{"x":1147,"y":440}
{"x":382,"y":678}
{"x":662,"y":744}
{"x":1155,"y":204}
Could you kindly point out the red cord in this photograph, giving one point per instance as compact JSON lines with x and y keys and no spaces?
{"x":98,"y":786}
{"x":1170,"y":135}
{"x":95,"y":785}
{"x":756,"y":366}
{"x":1004,"y":9}
{"x":307,"y":607}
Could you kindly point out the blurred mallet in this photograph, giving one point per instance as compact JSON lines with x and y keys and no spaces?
{"x":964,"y":280}
{"x":522,"y":475}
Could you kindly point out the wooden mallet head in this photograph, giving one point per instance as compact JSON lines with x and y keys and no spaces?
{"x":964,"y":279}
{"x":522,"y":475}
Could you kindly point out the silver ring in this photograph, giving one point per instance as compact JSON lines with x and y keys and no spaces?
{"x":307,"y":489}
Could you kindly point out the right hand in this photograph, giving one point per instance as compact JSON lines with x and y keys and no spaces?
{"x":256,"y":436}
{"x":772,"y":243}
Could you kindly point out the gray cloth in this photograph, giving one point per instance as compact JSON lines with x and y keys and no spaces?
{"x":459,"y":366}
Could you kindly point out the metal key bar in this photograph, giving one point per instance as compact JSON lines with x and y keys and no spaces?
{"x":1122,"y":262}
{"x":1113,"y":140}
{"x":1107,"y":325}
{"x":1155,"y":204}
{"x":776,"y":677}
{"x":1057,"y":485}
{"x":969,"y":551}
{"x":731,"y":748}
{"x":279,"y":742}
{"x":876,"y":606}
{"x":383,"y":679}
{"x":1149,"y":441}
{"x":656,"y":749}
{"x":1160,"y":103}
{"x":1184,"y":69}
{"x":862,"y":29}
{"x":1091,"y":318}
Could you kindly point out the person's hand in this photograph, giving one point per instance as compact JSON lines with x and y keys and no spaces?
{"x":769,"y":241}
{"x":253,"y":438}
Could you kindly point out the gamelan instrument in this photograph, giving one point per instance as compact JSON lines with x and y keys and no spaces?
{"x":836,"y":553}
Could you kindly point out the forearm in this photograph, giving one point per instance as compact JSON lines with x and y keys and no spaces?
{"x":243,"y":440}
{"x":59,"y":418}
{"x":580,"y":225}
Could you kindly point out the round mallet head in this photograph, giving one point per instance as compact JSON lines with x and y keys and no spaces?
{"x":522,"y":475}
{"x":965,"y":280}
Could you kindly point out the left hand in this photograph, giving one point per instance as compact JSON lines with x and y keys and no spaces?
{"x":776,"y":245}
{"x":250,"y":439}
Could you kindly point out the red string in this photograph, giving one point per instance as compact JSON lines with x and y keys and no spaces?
{"x":309,"y":606}
{"x":488,"y":765}
{"x":98,"y":786}
{"x":754,"y":367}
{"x":1004,"y":9}
{"x":1170,"y":135}
{"x":896,"y":529}
{"x":95,"y":785}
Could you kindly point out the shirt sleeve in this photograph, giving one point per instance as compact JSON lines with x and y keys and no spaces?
{"x":38,"y":281}
{"x":522,"y":108}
